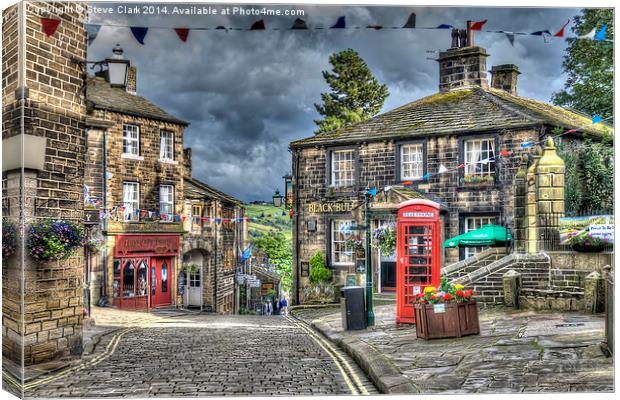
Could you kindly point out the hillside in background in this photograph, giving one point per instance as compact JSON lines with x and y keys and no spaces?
{"x":267,"y":218}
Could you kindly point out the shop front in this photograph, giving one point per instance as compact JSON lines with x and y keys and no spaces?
{"x":143,"y":271}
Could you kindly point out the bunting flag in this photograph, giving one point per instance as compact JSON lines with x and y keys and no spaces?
{"x":247,"y":253}
{"x":601,"y":34}
{"x":139,"y":33}
{"x":299,"y":24}
{"x":442,"y":169}
{"x":92,"y":30}
{"x":49,"y":26}
{"x":375,"y":27}
{"x":596,"y":119}
{"x":372,"y":192}
{"x":183,"y":33}
{"x":541,"y":33}
{"x":560,"y":33}
{"x":410,"y":24}
{"x":258,"y":25}
{"x":477,"y":26}
{"x":220,"y":27}
{"x":444,"y":26}
{"x":504,"y":153}
{"x":511,"y":37}
{"x":340,"y":24}
{"x":426,"y":176}
{"x":527,"y":144}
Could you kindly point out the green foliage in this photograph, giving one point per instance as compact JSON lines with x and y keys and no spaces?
{"x":589,"y":65}
{"x":318,"y":270}
{"x":355,"y":95}
{"x":385,"y":239}
{"x":280,"y":252}
{"x":589,"y":176}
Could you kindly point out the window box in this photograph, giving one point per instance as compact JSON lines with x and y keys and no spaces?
{"x":168,"y":161}
{"x":482,"y":180}
{"x":456,"y":320}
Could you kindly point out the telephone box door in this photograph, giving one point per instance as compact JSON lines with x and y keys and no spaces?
{"x":418,"y":255}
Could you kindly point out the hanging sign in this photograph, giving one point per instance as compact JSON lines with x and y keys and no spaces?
{"x":599,"y":226}
{"x":330,"y":207}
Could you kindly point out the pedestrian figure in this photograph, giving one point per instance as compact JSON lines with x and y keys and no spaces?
{"x":283,"y":306}
{"x":276,"y":307}
{"x":269,"y":308}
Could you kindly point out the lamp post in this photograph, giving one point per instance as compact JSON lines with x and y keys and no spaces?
{"x":277,"y":199}
{"x":370,"y":315}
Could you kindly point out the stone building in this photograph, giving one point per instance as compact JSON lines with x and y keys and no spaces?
{"x":472,"y":128}
{"x":215,"y":234}
{"x":43,"y":133}
{"x":135,"y":173}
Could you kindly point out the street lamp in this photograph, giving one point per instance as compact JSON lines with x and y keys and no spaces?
{"x":117,"y":67}
{"x":288,"y":191}
{"x":277,"y":198}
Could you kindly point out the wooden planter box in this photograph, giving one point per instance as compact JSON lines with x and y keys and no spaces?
{"x":459,"y":319}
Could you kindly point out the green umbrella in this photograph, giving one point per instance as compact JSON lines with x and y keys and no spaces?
{"x":488,"y":235}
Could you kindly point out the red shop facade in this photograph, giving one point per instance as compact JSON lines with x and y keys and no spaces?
{"x":143,"y":270}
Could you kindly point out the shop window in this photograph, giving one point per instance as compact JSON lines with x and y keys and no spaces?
{"x":142,"y":280}
{"x":129,"y":280}
{"x":166,"y":146}
{"x":166,"y":202}
{"x":164,"y":277}
{"x":341,"y":254}
{"x":472,"y":223}
{"x":131,"y":140}
{"x":131,"y":200}
{"x":411,"y":161}
{"x":116,"y":278}
{"x":343,"y":168}
{"x":479,"y":158}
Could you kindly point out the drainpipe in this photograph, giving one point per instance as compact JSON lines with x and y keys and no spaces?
{"x":296,"y":215}
{"x":215,"y":261}
{"x":105,"y":220}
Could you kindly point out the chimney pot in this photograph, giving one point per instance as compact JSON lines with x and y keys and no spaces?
{"x":504,"y":77}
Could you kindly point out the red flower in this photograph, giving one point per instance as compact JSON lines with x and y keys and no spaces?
{"x":447,"y":297}
{"x":434,"y":297}
{"x":460,"y":293}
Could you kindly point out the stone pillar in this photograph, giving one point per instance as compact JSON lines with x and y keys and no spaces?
{"x":549,"y":179}
{"x":531,"y":223}
{"x":594,"y":296}
{"x":512,"y":288}
{"x":520,"y":205}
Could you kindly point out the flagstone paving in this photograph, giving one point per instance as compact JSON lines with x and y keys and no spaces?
{"x":200,"y":355}
{"x":516,"y":351}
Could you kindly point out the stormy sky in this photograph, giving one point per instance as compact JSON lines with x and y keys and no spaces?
{"x":247,"y":94}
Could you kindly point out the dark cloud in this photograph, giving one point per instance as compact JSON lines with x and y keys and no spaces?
{"x":248,"y":94}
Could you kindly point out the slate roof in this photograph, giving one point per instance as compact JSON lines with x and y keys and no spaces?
{"x":195,"y":189}
{"x":398,"y":193}
{"x":102,"y":96}
{"x":459,"y":111}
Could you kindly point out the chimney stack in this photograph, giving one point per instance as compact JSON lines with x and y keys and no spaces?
{"x":132,"y":80}
{"x":504,"y":77}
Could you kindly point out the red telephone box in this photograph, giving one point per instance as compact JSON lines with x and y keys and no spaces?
{"x":418,"y":254}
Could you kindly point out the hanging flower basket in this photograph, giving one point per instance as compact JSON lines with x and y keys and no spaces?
{"x":53,"y":240}
{"x":9,"y":238}
{"x":385,"y":239}
{"x":95,"y":245}
{"x":587,"y":244}
{"x":449,"y":311}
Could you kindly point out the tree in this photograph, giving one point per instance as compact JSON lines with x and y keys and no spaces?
{"x":589,"y":66}
{"x":355,"y":93}
{"x":280,"y":253}
{"x":318,"y":270}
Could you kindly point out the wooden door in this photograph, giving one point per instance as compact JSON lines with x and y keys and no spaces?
{"x":161,"y":281}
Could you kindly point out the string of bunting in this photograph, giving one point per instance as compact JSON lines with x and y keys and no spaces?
{"x":503,"y":153}
{"x":50,"y":25}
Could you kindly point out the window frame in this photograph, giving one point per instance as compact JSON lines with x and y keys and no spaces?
{"x":463,"y":224}
{"x":329,"y":172}
{"x":331,"y":243}
{"x":398,"y":156}
{"x":461,"y":155}
{"x":170,"y":214}
{"x":126,"y":140}
{"x":162,"y":134}
{"x":134,"y":215}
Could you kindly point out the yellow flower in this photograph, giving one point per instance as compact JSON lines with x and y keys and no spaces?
{"x":458,"y":286}
{"x":429,"y":289}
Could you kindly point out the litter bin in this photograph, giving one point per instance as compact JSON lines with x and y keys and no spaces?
{"x":353,"y":308}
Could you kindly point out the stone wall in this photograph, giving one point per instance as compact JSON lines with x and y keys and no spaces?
{"x":54,"y":109}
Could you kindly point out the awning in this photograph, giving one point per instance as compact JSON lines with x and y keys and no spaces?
{"x":488,"y":235}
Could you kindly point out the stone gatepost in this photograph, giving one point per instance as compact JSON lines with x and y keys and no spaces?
{"x":531,"y":222}
{"x":520,"y":204}
{"x":549,"y":192}
{"x":512,"y":288}
{"x":594,"y":296}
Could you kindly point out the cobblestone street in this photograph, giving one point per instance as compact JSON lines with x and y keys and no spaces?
{"x":200,"y":355}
